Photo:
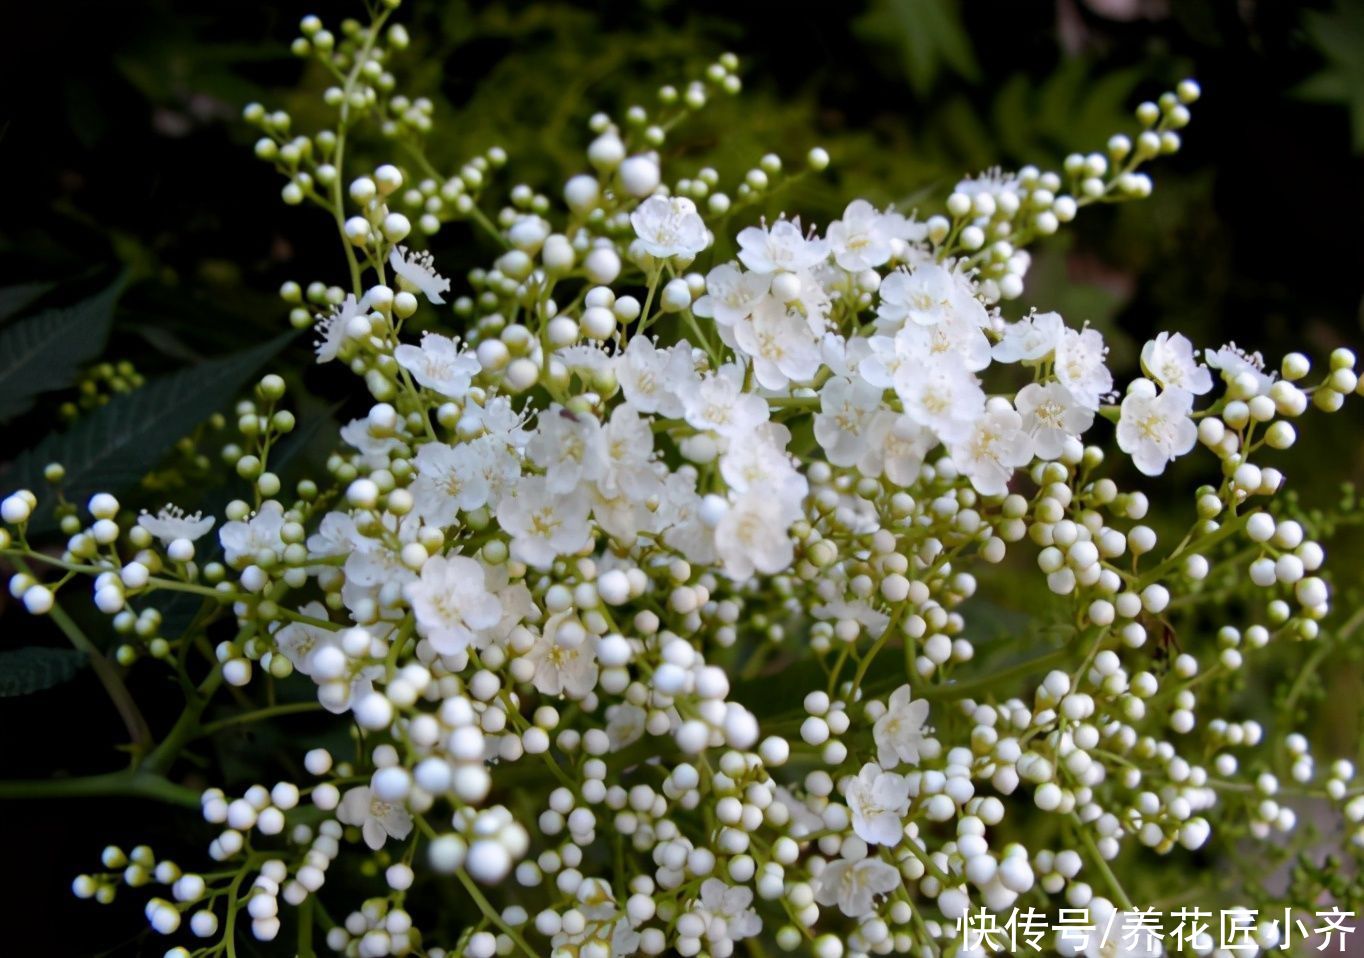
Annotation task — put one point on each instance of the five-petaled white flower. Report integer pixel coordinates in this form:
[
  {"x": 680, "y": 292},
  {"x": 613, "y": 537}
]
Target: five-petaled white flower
[
  {"x": 780, "y": 247},
  {"x": 669, "y": 226},
  {"x": 250, "y": 537},
  {"x": 879, "y": 801},
  {"x": 1051, "y": 416},
  {"x": 377, "y": 820},
  {"x": 899, "y": 732},
  {"x": 732, "y": 906},
  {"x": 1169, "y": 360},
  {"x": 452, "y": 603},
  {"x": 439, "y": 364},
  {"x": 1155, "y": 429},
  {"x": 855, "y": 885}
]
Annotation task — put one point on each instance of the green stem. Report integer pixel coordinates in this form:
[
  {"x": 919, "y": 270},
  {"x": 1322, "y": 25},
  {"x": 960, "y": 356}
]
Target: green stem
[
  {"x": 133, "y": 784},
  {"x": 108, "y": 674},
  {"x": 490, "y": 913},
  {"x": 246, "y": 718}
]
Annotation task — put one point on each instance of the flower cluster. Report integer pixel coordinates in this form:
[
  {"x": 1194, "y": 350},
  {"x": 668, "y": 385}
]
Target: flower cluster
[{"x": 646, "y": 581}]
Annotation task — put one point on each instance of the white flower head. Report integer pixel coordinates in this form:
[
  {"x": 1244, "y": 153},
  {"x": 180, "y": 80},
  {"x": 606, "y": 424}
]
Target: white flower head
[
  {"x": 669, "y": 226},
  {"x": 439, "y": 364},
  {"x": 732, "y": 905},
  {"x": 1051, "y": 416},
  {"x": 862, "y": 238},
  {"x": 654, "y": 380},
  {"x": 377, "y": 820},
  {"x": 569, "y": 446},
  {"x": 780, "y": 247},
  {"x": 879, "y": 801},
  {"x": 926, "y": 296},
  {"x": 564, "y": 660},
  {"x": 854, "y": 886},
  {"x": 260, "y": 533},
  {"x": 900, "y": 731},
  {"x": 1155, "y": 429},
  {"x": 731, "y": 294},
  {"x": 416, "y": 269},
  {"x": 172, "y": 523},
  {"x": 1169, "y": 360},
  {"x": 995, "y": 447},
  {"x": 719, "y": 404},
  {"x": 780, "y": 344},
  {"x": 1081, "y": 368},
  {"x": 1232, "y": 361},
  {"x": 1030, "y": 340},
  {"x": 449, "y": 481},
  {"x": 452, "y": 603},
  {"x": 544, "y": 525},
  {"x": 850, "y": 420},
  {"x": 751, "y": 536}
]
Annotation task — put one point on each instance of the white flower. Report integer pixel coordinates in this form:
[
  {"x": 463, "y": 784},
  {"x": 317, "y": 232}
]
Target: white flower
[
  {"x": 718, "y": 404},
  {"x": 449, "y": 481},
  {"x": 732, "y": 905},
  {"x": 993, "y": 450},
  {"x": 331, "y": 328},
  {"x": 943, "y": 396},
  {"x": 1051, "y": 416},
  {"x": 899, "y": 732},
  {"x": 417, "y": 270},
  {"x": 298, "y": 640},
  {"x": 879, "y": 802},
  {"x": 377, "y": 820},
  {"x": 452, "y": 603},
  {"x": 654, "y": 380},
  {"x": 762, "y": 462},
  {"x": 172, "y": 523},
  {"x": 957, "y": 339},
  {"x": 627, "y": 450},
  {"x": 543, "y": 525},
  {"x": 670, "y": 226},
  {"x": 731, "y": 294},
  {"x": 1156, "y": 429},
  {"x": 1030, "y": 340},
  {"x": 780, "y": 247},
  {"x": 1169, "y": 360},
  {"x": 569, "y": 446},
  {"x": 850, "y": 419},
  {"x": 926, "y": 296},
  {"x": 563, "y": 667},
  {"x": 1080, "y": 366},
  {"x": 751, "y": 537},
  {"x": 374, "y": 450},
  {"x": 854, "y": 886},
  {"x": 780, "y": 343},
  {"x": 1232, "y": 361},
  {"x": 861, "y": 240},
  {"x": 260, "y": 533},
  {"x": 439, "y": 364},
  {"x": 904, "y": 446}
]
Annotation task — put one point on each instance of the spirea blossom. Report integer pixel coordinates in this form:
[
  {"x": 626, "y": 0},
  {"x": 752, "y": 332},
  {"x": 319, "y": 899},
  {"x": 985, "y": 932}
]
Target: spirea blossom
[{"x": 623, "y": 598}]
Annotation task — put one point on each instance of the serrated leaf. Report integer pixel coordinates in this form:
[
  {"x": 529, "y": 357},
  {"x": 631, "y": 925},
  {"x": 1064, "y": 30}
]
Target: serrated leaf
[
  {"x": 43, "y": 352},
  {"x": 35, "y": 667},
  {"x": 116, "y": 445},
  {"x": 15, "y": 299}
]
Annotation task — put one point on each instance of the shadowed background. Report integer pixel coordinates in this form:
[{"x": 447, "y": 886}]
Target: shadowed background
[{"x": 122, "y": 151}]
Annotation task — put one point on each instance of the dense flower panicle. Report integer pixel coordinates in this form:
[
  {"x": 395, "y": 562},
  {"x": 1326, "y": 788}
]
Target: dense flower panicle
[{"x": 638, "y": 577}]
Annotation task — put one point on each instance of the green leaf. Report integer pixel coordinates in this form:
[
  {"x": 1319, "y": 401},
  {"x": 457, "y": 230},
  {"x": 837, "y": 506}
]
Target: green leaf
[
  {"x": 115, "y": 446},
  {"x": 1338, "y": 36},
  {"x": 43, "y": 352},
  {"x": 928, "y": 34},
  {"x": 15, "y": 299},
  {"x": 34, "y": 668}
]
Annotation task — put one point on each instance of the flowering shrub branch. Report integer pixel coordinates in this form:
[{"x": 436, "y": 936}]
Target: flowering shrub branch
[{"x": 646, "y": 585}]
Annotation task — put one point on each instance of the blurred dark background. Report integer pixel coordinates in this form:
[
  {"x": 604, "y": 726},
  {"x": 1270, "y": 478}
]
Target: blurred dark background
[{"x": 121, "y": 149}]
